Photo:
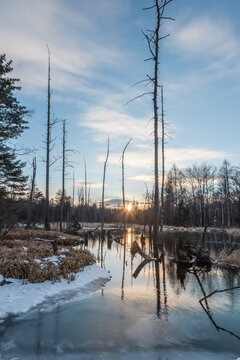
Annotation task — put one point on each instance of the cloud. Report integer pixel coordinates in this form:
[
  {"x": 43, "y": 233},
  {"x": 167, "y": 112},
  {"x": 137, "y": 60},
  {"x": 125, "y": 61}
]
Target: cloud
[
  {"x": 102, "y": 121},
  {"x": 71, "y": 35},
  {"x": 143, "y": 177},
  {"x": 181, "y": 156},
  {"x": 205, "y": 37},
  {"x": 209, "y": 42},
  {"x": 92, "y": 185}
]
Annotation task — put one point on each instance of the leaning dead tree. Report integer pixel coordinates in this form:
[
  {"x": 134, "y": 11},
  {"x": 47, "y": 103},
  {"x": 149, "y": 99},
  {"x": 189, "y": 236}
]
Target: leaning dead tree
[
  {"x": 153, "y": 40},
  {"x": 34, "y": 168},
  {"x": 123, "y": 185},
  {"x": 103, "y": 186}
]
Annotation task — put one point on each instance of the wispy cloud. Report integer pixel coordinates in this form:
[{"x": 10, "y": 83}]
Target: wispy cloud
[
  {"x": 102, "y": 120},
  {"x": 143, "y": 177},
  {"x": 140, "y": 158},
  {"x": 211, "y": 42},
  {"x": 205, "y": 37},
  {"x": 24, "y": 35},
  {"x": 92, "y": 185}
]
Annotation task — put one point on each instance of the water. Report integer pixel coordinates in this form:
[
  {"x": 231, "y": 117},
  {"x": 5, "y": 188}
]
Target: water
[{"x": 156, "y": 315}]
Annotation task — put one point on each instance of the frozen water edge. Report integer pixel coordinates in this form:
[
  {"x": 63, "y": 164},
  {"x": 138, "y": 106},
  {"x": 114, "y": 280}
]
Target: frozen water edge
[{"x": 17, "y": 298}]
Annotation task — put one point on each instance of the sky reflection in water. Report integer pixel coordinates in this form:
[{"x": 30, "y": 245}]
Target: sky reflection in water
[{"x": 156, "y": 315}]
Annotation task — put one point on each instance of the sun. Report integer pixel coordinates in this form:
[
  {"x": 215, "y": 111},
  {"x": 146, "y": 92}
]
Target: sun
[{"x": 129, "y": 207}]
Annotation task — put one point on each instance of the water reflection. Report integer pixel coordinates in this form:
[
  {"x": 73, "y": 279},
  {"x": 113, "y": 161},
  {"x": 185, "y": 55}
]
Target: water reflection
[{"x": 149, "y": 307}]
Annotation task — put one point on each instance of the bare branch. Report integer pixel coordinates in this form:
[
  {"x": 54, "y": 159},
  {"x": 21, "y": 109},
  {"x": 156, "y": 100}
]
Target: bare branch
[
  {"x": 165, "y": 3},
  {"x": 138, "y": 82},
  {"x": 163, "y": 37},
  {"x": 150, "y": 7},
  {"x": 139, "y": 96},
  {"x": 167, "y": 18}
]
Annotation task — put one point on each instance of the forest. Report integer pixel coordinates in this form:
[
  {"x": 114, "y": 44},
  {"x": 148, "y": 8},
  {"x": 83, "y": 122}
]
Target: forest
[{"x": 88, "y": 270}]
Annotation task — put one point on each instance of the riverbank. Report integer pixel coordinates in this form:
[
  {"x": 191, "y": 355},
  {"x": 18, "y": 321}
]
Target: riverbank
[
  {"x": 17, "y": 298},
  {"x": 233, "y": 231},
  {"x": 36, "y": 265}
]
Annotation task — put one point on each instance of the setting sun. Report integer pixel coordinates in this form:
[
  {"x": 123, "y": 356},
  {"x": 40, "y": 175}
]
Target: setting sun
[{"x": 129, "y": 208}]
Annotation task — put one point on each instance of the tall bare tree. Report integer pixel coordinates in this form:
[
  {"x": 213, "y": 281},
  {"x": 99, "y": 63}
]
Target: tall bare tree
[
  {"x": 63, "y": 172},
  {"x": 123, "y": 185},
  {"x": 49, "y": 142},
  {"x": 103, "y": 186},
  {"x": 163, "y": 162},
  {"x": 153, "y": 39},
  {"x": 47, "y": 222},
  {"x": 73, "y": 190}
]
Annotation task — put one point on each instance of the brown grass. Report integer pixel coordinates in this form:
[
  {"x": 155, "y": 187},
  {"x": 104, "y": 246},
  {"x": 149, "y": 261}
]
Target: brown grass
[
  {"x": 30, "y": 234},
  {"x": 229, "y": 257},
  {"x": 20, "y": 263}
]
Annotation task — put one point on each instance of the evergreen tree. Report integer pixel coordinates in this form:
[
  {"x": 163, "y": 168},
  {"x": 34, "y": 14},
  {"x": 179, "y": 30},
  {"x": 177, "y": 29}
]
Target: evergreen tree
[{"x": 12, "y": 124}]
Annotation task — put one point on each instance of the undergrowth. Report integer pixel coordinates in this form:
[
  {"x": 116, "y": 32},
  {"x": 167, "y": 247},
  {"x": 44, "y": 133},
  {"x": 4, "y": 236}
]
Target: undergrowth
[{"x": 28, "y": 260}]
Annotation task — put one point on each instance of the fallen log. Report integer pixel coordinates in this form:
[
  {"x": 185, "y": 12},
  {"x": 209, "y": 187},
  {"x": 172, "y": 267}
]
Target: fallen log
[{"x": 135, "y": 248}]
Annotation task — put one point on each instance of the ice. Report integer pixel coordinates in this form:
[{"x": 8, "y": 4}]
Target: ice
[{"x": 18, "y": 298}]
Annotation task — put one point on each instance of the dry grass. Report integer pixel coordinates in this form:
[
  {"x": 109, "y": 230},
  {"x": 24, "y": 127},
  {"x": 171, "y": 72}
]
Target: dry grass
[
  {"x": 26, "y": 260},
  {"x": 229, "y": 257},
  {"x": 30, "y": 234}
]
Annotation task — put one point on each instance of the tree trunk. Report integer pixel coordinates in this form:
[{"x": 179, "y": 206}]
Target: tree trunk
[
  {"x": 63, "y": 174},
  {"x": 47, "y": 223},
  {"x": 29, "y": 218},
  {"x": 123, "y": 187},
  {"x": 103, "y": 186}
]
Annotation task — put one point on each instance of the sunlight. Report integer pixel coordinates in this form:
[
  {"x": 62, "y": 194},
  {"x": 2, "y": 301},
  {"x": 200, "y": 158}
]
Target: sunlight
[{"x": 129, "y": 207}]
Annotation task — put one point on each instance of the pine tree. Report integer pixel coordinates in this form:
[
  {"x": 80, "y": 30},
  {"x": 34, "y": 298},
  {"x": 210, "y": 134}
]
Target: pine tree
[{"x": 12, "y": 124}]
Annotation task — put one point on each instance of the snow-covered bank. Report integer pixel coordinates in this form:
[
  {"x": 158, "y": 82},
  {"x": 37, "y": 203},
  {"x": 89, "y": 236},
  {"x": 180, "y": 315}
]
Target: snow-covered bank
[{"x": 17, "y": 298}]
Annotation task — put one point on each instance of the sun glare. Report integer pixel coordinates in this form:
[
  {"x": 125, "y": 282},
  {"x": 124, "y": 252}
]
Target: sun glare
[{"x": 129, "y": 208}]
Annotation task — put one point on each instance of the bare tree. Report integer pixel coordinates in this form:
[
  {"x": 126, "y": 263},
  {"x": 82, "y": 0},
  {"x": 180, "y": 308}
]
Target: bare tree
[
  {"x": 34, "y": 167},
  {"x": 49, "y": 145},
  {"x": 163, "y": 162},
  {"x": 73, "y": 190},
  {"x": 103, "y": 186},
  {"x": 123, "y": 187},
  {"x": 153, "y": 39},
  {"x": 225, "y": 175},
  {"x": 47, "y": 223},
  {"x": 63, "y": 172}
]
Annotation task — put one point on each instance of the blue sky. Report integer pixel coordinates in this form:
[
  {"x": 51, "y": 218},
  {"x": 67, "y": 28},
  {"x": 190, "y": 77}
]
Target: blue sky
[{"x": 97, "y": 53}]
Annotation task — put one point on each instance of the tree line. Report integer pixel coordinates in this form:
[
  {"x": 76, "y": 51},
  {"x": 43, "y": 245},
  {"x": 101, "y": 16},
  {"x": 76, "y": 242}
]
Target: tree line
[{"x": 199, "y": 195}]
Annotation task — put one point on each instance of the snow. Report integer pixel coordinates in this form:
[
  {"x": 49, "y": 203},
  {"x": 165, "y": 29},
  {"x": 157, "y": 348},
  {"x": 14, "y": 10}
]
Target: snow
[{"x": 17, "y": 298}]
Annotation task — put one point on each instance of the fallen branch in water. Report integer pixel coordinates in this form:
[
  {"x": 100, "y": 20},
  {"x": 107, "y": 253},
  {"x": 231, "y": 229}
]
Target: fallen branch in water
[
  {"x": 139, "y": 268},
  {"x": 219, "y": 291},
  {"x": 135, "y": 248},
  {"x": 207, "y": 308}
]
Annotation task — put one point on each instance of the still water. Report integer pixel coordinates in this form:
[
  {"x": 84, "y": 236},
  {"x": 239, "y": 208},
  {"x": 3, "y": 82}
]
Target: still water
[{"x": 154, "y": 314}]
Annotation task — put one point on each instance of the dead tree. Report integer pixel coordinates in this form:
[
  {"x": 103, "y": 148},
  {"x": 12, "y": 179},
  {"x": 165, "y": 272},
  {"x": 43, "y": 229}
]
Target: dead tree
[
  {"x": 65, "y": 164},
  {"x": 34, "y": 167},
  {"x": 63, "y": 172},
  {"x": 123, "y": 187},
  {"x": 47, "y": 222},
  {"x": 103, "y": 186},
  {"x": 163, "y": 163},
  {"x": 73, "y": 191},
  {"x": 49, "y": 146},
  {"x": 153, "y": 39}
]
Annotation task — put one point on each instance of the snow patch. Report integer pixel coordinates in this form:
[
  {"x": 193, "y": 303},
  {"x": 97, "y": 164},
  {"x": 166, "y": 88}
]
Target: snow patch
[{"x": 17, "y": 298}]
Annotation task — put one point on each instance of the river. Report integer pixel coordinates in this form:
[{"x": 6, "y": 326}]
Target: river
[{"x": 155, "y": 314}]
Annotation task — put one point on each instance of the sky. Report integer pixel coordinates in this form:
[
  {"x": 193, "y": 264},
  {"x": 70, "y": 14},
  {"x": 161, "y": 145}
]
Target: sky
[{"x": 97, "y": 55}]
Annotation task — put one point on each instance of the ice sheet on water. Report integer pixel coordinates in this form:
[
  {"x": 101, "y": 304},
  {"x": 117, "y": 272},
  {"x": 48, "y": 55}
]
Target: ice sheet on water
[{"x": 17, "y": 298}]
